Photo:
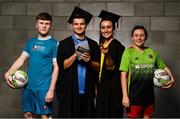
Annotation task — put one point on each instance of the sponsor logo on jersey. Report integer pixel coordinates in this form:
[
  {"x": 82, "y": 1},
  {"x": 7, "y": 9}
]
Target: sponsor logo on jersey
[
  {"x": 144, "y": 66},
  {"x": 38, "y": 48}
]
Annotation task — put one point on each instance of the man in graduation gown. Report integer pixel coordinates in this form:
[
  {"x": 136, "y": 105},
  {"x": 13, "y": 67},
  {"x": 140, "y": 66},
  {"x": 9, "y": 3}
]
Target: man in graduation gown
[{"x": 78, "y": 63}]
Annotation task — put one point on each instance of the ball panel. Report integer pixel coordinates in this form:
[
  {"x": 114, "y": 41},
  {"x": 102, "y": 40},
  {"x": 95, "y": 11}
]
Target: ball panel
[
  {"x": 161, "y": 77},
  {"x": 157, "y": 83},
  {"x": 19, "y": 79}
]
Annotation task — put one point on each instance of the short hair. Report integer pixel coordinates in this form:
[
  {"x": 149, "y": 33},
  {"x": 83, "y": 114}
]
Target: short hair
[
  {"x": 44, "y": 16},
  {"x": 79, "y": 16},
  {"x": 140, "y": 27}
]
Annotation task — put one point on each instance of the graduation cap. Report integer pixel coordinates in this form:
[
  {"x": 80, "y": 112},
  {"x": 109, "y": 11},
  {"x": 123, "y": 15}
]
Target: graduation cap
[
  {"x": 105, "y": 15},
  {"x": 80, "y": 13}
]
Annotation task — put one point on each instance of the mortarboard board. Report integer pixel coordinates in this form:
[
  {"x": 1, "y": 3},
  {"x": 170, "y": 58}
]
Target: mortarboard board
[
  {"x": 105, "y": 15},
  {"x": 80, "y": 13}
]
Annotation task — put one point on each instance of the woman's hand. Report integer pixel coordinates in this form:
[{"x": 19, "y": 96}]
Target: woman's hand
[
  {"x": 103, "y": 50},
  {"x": 168, "y": 84},
  {"x": 125, "y": 101}
]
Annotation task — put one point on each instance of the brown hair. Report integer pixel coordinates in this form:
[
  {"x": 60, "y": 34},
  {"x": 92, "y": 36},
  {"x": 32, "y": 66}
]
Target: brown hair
[
  {"x": 44, "y": 16},
  {"x": 140, "y": 27}
]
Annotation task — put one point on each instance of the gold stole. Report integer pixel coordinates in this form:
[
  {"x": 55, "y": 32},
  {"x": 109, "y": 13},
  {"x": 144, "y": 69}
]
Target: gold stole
[{"x": 105, "y": 45}]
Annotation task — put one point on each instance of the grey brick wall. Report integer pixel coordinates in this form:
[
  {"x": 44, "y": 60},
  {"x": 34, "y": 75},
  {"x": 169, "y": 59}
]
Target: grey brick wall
[
  {"x": 148, "y": 8},
  {"x": 13, "y": 8},
  {"x": 160, "y": 17},
  {"x": 6, "y": 22}
]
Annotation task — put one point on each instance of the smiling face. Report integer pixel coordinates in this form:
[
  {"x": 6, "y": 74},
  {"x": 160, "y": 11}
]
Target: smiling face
[
  {"x": 43, "y": 27},
  {"x": 106, "y": 29},
  {"x": 139, "y": 37},
  {"x": 79, "y": 26}
]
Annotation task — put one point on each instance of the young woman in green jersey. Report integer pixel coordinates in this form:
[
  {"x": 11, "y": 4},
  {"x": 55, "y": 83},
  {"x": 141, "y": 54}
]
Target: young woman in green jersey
[{"x": 137, "y": 66}]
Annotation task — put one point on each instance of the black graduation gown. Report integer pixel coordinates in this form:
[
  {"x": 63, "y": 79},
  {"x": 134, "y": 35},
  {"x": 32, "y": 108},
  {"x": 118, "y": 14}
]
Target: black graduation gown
[
  {"x": 67, "y": 84},
  {"x": 109, "y": 99}
]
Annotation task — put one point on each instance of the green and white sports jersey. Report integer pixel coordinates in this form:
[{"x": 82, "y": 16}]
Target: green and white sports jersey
[{"x": 140, "y": 67}]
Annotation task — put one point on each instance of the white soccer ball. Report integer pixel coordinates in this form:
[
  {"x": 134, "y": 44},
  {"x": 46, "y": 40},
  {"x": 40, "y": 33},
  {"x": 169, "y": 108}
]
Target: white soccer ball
[
  {"x": 19, "y": 79},
  {"x": 161, "y": 77}
]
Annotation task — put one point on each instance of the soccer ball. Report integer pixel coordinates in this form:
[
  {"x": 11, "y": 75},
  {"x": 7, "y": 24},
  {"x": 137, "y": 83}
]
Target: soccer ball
[
  {"x": 161, "y": 77},
  {"x": 19, "y": 79}
]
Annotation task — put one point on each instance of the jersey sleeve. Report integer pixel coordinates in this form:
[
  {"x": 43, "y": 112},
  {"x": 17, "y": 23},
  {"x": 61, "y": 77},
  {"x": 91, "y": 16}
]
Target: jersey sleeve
[
  {"x": 27, "y": 47},
  {"x": 55, "y": 49},
  {"x": 125, "y": 61},
  {"x": 160, "y": 64}
]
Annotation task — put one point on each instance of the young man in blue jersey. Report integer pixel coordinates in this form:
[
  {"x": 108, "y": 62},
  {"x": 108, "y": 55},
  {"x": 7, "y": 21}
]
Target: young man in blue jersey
[{"x": 42, "y": 70}]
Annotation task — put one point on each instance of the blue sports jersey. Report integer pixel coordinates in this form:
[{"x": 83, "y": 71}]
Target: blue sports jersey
[{"x": 41, "y": 54}]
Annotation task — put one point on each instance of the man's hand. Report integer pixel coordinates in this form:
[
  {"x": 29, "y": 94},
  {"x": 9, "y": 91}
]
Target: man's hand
[
  {"x": 49, "y": 96},
  {"x": 85, "y": 57},
  {"x": 8, "y": 78}
]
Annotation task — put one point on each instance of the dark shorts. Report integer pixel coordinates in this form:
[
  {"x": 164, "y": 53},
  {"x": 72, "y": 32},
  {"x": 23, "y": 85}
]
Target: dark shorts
[{"x": 34, "y": 101}]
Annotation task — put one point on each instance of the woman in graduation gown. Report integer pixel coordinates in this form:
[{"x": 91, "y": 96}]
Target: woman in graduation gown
[{"x": 109, "y": 94}]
